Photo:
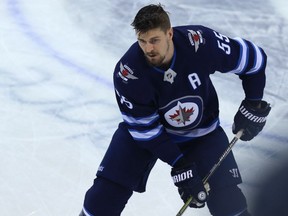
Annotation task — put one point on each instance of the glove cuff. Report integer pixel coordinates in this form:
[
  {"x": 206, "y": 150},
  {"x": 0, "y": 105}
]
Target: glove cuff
[
  {"x": 256, "y": 105},
  {"x": 183, "y": 173},
  {"x": 255, "y": 114},
  {"x": 251, "y": 118}
]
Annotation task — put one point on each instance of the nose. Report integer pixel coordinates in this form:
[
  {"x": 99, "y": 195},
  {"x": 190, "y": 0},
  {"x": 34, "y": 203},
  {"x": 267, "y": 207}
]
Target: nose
[{"x": 148, "y": 47}]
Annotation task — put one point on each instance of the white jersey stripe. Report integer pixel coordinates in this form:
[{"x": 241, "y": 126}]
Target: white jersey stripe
[
  {"x": 146, "y": 135},
  {"x": 243, "y": 58},
  {"x": 258, "y": 62},
  {"x": 148, "y": 120},
  {"x": 196, "y": 132}
]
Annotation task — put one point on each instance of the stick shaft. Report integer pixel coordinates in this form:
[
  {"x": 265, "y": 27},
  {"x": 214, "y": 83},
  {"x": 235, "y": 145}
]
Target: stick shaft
[{"x": 213, "y": 169}]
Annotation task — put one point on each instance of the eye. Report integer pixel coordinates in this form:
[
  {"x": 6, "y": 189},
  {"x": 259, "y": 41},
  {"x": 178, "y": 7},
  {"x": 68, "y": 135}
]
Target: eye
[
  {"x": 141, "y": 42},
  {"x": 154, "y": 40}
]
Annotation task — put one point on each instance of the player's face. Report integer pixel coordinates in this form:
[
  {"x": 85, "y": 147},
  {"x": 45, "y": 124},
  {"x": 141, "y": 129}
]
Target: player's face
[{"x": 157, "y": 46}]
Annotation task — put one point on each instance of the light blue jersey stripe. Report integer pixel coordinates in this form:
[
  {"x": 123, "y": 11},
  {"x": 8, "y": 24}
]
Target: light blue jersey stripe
[
  {"x": 258, "y": 60},
  {"x": 146, "y": 135},
  {"x": 243, "y": 57},
  {"x": 143, "y": 121},
  {"x": 196, "y": 132}
]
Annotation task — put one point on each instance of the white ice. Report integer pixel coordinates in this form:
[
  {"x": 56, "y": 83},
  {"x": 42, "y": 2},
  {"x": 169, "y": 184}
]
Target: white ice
[{"x": 58, "y": 110}]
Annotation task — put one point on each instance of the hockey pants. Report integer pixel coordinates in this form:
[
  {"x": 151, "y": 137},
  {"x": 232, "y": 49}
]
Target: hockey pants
[{"x": 106, "y": 198}]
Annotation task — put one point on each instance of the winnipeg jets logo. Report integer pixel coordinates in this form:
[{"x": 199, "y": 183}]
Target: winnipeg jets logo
[
  {"x": 182, "y": 115},
  {"x": 195, "y": 38},
  {"x": 126, "y": 73}
]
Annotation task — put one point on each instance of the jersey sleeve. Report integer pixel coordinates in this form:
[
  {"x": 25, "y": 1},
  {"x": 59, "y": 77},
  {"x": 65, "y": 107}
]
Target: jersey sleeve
[
  {"x": 138, "y": 109},
  {"x": 240, "y": 57}
]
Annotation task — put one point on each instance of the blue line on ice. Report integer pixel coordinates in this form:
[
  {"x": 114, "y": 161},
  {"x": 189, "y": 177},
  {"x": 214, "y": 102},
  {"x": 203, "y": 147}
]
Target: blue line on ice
[{"x": 27, "y": 29}]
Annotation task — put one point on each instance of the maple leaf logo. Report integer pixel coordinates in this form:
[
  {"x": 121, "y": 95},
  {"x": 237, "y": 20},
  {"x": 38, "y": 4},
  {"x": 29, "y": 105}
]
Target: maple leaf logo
[{"x": 182, "y": 115}]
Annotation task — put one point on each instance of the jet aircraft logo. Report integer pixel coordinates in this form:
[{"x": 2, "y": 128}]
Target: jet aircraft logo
[
  {"x": 195, "y": 38},
  {"x": 126, "y": 73}
]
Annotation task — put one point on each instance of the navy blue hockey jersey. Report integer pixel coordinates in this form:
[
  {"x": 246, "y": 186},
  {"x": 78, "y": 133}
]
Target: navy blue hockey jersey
[{"x": 162, "y": 108}]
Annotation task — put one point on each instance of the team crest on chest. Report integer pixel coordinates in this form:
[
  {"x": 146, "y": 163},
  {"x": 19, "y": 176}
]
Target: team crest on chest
[
  {"x": 182, "y": 114},
  {"x": 186, "y": 111}
]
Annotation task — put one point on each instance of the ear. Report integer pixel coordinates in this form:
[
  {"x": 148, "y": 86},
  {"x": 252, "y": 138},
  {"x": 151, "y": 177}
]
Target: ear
[{"x": 170, "y": 33}]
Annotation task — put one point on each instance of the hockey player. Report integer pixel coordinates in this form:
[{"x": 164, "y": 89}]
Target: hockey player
[{"x": 170, "y": 112}]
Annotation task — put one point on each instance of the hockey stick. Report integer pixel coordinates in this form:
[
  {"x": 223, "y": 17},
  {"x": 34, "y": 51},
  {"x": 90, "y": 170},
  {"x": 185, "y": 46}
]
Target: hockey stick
[{"x": 214, "y": 168}]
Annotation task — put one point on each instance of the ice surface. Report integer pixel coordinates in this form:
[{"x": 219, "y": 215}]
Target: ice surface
[{"x": 58, "y": 110}]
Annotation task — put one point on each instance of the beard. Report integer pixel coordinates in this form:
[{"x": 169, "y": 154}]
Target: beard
[{"x": 156, "y": 59}]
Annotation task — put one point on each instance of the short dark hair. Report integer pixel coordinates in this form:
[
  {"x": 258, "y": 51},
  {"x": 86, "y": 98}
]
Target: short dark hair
[{"x": 150, "y": 17}]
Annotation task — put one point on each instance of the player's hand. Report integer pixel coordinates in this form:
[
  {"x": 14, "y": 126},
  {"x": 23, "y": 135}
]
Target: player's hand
[
  {"x": 189, "y": 184},
  {"x": 251, "y": 117}
]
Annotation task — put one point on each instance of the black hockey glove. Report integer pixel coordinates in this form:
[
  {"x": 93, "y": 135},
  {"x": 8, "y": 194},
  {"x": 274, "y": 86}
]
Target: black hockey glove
[
  {"x": 189, "y": 184},
  {"x": 251, "y": 117}
]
